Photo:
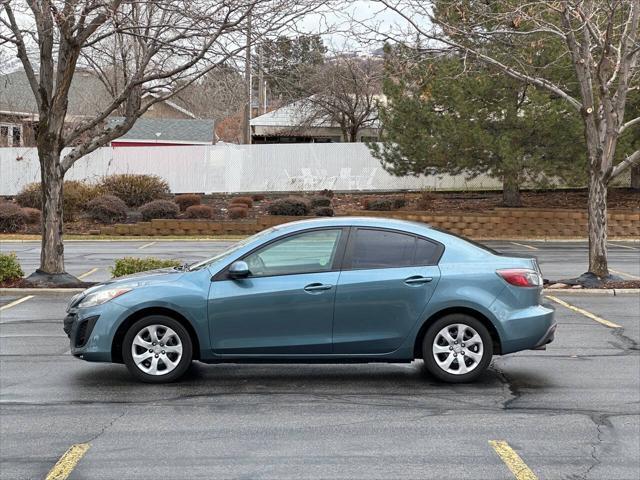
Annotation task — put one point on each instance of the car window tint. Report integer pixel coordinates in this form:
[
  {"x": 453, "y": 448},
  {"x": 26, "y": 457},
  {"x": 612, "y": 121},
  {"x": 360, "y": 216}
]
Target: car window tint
[
  {"x": 380, "y": 249},
  {"x": 427, "y": 252},
  {"x": 303, "y": 253}
]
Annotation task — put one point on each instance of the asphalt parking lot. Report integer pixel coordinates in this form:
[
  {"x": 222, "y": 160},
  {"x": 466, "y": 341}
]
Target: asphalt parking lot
[{"x": 570, "y": 412}]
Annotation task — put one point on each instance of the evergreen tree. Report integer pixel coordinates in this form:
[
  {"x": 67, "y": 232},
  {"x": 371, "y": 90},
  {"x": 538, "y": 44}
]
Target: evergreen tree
[{"x": 447, "y": 115}]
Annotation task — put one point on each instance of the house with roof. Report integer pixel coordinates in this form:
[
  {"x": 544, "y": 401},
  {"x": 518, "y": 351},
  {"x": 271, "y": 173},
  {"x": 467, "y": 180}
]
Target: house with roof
[
  {"x": 149, "y": 132},
  {"x": 165, "y": 123},
  {"x": 297, "y": 123}
]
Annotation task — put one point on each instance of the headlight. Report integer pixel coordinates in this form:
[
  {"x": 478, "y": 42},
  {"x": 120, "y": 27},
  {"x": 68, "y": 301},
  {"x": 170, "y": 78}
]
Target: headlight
[{"x": 102, "y": 296}]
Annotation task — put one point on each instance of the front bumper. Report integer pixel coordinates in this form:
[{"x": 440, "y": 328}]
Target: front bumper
[{"x": 91, "y": 331}]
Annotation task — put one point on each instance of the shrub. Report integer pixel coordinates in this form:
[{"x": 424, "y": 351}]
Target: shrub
[
  {"x": 381, "y": 204},
  {"x": 130, "y": 265},
  {"x": 159, "y": 209},
  {"x": 135, "y": 190},
  {"x": 12, "y": 217},
  {"x": 292, "y": 206},
  {"x": 320, "y": 201},
  {"x": 75, "y": 196},
  {"x": 258, "y": 197},
  {"x": 107, "y": 209},
  {"x": 324, "y": 212},
  {"x": 238, "y": 211},
  {"x": 399, "y": 203},
  {"x": 248, "y": 201},
  {"x": 425, "y": 200},
  {"x": 326, "y": 193},
  {"x": 30, "y": 196},
  {"x": 33, "y": 215},
  {"x": 187, "y": 200},
  {"x": 200, "y": 211},
  {"x": 10, "y": 268}
]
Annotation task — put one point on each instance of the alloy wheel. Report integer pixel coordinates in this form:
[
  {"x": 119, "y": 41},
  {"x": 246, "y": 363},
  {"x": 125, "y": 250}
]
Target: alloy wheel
[
  {"x": 457, "y": 349},
  {"x": 156, "y": 350}
]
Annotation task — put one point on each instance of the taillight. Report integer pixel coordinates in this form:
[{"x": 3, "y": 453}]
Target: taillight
[{"x": 521, "y": 277}]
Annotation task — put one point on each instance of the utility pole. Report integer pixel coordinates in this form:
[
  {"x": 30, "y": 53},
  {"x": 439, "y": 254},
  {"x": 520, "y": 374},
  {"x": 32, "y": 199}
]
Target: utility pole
[
  {"x": 262, "y": 87},
  {"x": 248, "y": 89}
]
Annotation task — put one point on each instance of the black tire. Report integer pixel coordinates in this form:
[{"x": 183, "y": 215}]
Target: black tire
[
  {"x": 185, "y": 341},
  {"x": 479, "y": 366}
]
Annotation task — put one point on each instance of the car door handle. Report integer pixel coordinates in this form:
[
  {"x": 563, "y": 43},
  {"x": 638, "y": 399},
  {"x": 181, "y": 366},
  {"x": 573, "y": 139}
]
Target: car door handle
[
  {"x": 317, "y": 287},
  {"x": 418, "y": 280}
]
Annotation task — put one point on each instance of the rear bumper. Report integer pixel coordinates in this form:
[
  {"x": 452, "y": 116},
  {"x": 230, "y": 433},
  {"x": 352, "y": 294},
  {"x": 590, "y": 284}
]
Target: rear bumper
[
  {"x": 527, "y": 328},
  {"x": 546, "y": 338}
]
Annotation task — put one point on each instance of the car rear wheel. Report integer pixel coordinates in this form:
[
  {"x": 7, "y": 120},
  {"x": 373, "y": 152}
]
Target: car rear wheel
[
  {"x": 157, "y": 349},
  {"x": 457, "y": 348}
]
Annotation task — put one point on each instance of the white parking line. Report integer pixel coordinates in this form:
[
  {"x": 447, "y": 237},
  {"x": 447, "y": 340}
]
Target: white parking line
[
  {"x": 623, "y": 246},
  {"x": 146, "y": 245},
  {"x": 16, "y": 302},
  {"x": 525, "y": 246}
]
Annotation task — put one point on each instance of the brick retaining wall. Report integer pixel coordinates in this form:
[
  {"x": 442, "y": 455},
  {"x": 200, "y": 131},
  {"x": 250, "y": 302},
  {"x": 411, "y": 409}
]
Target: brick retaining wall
[{"x": 497, "y": 223}]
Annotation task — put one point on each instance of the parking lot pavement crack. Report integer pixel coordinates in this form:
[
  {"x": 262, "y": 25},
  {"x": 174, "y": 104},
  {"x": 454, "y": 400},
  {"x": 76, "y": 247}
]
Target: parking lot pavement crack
[
  {"x": 514, "y": 392},
  {"x": 106, "y": 427},
  {"x": 601, "y": 422},
  {"x": 628, "y": 343}
]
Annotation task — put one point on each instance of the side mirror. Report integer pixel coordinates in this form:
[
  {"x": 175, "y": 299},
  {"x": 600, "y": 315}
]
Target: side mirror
[{"x": 239, "y": 270}]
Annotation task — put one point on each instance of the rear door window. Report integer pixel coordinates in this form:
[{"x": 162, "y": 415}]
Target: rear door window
[{"x": 371, "y": 248}]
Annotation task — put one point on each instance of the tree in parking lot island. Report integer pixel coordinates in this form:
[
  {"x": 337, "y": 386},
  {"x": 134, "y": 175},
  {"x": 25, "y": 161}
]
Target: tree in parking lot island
[
  {"x": 146, "y": 51},
  {"x": 598, "y": 40},
  {"x": 447, "y": 115}
]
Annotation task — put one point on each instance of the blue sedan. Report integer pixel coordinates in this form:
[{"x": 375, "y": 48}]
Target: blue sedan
[{"x": 327, "y": 290}]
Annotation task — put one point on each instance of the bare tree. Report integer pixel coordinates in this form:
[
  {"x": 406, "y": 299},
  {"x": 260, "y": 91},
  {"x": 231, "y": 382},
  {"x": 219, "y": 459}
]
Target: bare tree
[
  {"x": 343, "y": 91},
  {"x": 138, "y": 47},
  {"x": 598, "y": 40}
]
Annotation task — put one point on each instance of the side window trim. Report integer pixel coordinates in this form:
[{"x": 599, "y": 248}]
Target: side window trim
[
  {"x": 348, "y": 257},
  {"x": 338, "y": 258}
]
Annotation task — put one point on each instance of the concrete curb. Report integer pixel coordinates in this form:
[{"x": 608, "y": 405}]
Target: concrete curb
[
  {"x": 140, "y": 239},
  {"x": 592, "y": 291},
  {"x": 41, "y": 291}
]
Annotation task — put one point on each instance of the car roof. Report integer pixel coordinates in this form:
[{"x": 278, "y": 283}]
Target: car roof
[{"x": 376, "y": 222}]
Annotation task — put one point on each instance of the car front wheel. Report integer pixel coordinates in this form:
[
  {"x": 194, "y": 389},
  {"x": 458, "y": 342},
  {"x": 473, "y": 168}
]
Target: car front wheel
[
  {"x": 157, "y": 349},
  {"x": 457, "y": 348}
]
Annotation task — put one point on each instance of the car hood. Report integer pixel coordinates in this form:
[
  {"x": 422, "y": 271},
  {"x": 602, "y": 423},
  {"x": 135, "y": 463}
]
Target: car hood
[
  {"x": 142, "y": 279},
  {"x": 160, "y": 275}
]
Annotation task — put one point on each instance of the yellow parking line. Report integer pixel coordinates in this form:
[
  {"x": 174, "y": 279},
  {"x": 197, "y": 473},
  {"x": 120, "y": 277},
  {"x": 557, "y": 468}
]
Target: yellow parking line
[
  {"x": 16, "y": 302},
  {"x": 90, "y": 272},
  {"x": 509, "y": 456},
  {"x": 624, "y": 274},
  {"x": 590, "y": 315},
  {"x": 68, "y": 462},
  {"x": 525, "y": 246},
  {"x": 146, "y": 245}
]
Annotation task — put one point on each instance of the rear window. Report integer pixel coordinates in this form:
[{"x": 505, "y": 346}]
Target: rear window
[
  {"x": 385, "y": 249},
  {"x": 468, "y": 240}
]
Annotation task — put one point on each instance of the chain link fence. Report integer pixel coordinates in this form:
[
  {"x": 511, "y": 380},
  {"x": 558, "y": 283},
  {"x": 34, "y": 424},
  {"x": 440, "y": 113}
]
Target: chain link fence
[{"x": 242, "y": 168}]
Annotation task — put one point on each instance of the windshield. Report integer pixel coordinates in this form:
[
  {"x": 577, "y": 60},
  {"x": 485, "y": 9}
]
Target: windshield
[{"x": 230, "y": 250}]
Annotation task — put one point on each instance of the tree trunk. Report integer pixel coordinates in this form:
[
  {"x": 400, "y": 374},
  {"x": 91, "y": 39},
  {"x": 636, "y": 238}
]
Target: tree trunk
[
  {"x": 635, "y": 177},
  {"x": 511, "y": 191},
  {"x": 597, "y": 225},
  {"x": 52, "y": 252}
]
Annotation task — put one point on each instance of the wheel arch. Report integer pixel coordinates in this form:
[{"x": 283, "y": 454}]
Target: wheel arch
[
  {"x": 495, "y": 337},
  {"x": 116, "y": 344}
]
